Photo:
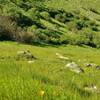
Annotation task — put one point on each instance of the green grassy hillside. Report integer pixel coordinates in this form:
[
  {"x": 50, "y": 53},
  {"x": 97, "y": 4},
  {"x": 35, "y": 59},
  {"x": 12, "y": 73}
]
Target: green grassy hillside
[
  {"x": 53, "y": 51},
  {"x": 47, "y": 77}
]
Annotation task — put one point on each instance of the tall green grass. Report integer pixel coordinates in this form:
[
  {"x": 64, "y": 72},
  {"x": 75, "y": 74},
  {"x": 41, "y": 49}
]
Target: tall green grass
[{"x": 46, "y": 78}]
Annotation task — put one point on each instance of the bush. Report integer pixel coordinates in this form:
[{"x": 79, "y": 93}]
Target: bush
[
  {"x": 60, "y": 17},
  {"x": 54, "y": 41},
  {"x": 10, "y": 31},
  {"x": 96, "y": 40},
  {"x": 81, "y": 24},
  {"x": 84, "y": 37},
  {"x": 8, "y": 28},
  {"x": 45, "y": 15},
  {"x": 25, "y": 37},
  {"x": 73, "y": 39}
]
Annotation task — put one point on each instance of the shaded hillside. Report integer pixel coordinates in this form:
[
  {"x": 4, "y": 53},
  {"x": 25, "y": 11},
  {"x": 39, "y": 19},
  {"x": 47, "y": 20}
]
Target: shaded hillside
[{"x": 49, "y": 21}]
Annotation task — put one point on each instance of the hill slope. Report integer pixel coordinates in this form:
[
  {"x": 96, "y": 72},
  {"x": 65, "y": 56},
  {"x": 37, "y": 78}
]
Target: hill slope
[
  {"x": 53, "y": 22},
  {"x": 51, "y": 70}
]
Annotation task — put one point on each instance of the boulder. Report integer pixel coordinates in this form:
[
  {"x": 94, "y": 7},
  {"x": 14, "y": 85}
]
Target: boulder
[
  {"x": 74, "y": 67},
  {"x": 77, "y": 70},
  {"x": 91, "y": 88},
  {"x": 62, "y": 57},
  {"x": 98, "y": 67},
  {"x": 25, "y": 55},
  {"x": 31, "y": 61},
  {"x": 90, "y": 65}
]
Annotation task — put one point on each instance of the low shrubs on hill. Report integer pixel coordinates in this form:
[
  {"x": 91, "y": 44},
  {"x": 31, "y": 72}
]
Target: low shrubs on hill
[
  {"x": 8, "y": 28},
  {"x": 10, "y": 31},
  {"x": 85, "y": 37},
  {"x": 67, "y": 27}
]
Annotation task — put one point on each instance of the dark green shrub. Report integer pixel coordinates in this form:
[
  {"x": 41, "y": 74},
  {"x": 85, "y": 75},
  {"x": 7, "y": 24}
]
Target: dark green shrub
[
  {"x": 94, "y": 28},
  {"x": 54, "y": 41},
  {"x": 60, "y": 17},
  {"x": 96, "y": 40},
  {"x": 94, "y": 10},
  {"x": 53, "y": 12},
  {"x": 81, "y": 24},
  {"x": 86, "y": 36}
]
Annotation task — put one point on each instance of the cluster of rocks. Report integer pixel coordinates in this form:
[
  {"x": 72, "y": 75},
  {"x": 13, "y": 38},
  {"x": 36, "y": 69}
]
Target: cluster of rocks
[
  {"x": 73, "y": 66},
  {"x": 76, "y": 68},
  {"x": 91, "y": 65},
  {"x": 26, "y": 54}
]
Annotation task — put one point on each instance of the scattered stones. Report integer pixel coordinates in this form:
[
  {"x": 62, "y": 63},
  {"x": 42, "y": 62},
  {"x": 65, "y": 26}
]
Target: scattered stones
[
  {"x": 81, "y": 70},
  {"x": 90, "y": 65},
  {"x": 98, "y": 67},
  {"x": 91, "y": 88},
  {"x": 62, "y": 57},
  {"x": 74, "y": 67},
  {"x": 30, "y": 62},
  {"x": 2, "y": 58},
  {"x": 77, "y": 70},
  {"x": 25, "y": 54}
]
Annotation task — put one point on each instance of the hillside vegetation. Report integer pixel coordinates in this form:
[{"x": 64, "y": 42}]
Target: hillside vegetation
[
  {"x": 49, "y": 49},
  {"x": 74, "y": 22}
]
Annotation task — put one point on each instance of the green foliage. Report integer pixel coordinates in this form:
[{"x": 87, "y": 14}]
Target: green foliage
[
  {"x": 96, "y": 40},
  {"x": 81, "y": 24},
  {"x": 45, "y": 15},
  {"x": 60, "y": 18},
  {"x": 50, "y": 21}
]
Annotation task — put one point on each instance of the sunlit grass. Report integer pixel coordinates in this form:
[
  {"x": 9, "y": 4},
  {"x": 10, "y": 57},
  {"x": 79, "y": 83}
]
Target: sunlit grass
[{"x": 46, "y": 78}]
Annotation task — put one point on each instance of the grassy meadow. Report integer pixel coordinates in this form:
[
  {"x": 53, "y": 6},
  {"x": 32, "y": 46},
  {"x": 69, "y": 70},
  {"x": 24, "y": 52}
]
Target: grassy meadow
[
  {"x": 47, "y": 78},
  {"x": 55, "y": 49}
]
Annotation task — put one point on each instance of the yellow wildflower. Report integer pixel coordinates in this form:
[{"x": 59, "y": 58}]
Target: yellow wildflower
[{"x": 41, "y": 93}]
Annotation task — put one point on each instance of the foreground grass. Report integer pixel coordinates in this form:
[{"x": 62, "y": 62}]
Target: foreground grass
[{"x": 47, "y": 78}]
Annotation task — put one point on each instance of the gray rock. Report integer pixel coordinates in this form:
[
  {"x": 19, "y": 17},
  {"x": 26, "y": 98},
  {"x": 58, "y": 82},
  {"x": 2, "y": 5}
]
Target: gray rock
[
  {"x": 98, "y": 67},
  {"x": 82, "y": 70},
  {"x": 89, "y": 65},
  {"x": 62, "y": 57},
  {"x": 91, "y": 88},
  {"x": 25, "y": 54},
  {"x": 30, "y": 62},
  {"x": 77, "y": 70},
  {"x": 74, "y": 67}
]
